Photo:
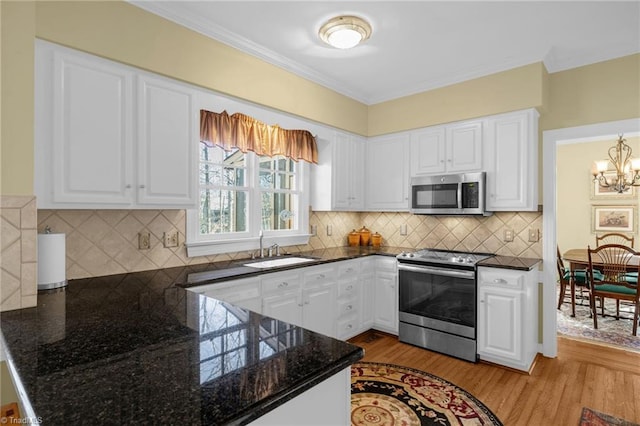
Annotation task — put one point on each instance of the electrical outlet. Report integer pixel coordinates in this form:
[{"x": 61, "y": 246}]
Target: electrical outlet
[
  {"x": 144, "y": 240},
  {"x": 403, "y": 229},
  {"x": 329, "y": 230},
  {"x": 314, "y": 230},
  {"x": 508, "y": 235},
  {"x": 534, "y": 235},
  {"x": 170, "y": 239}
]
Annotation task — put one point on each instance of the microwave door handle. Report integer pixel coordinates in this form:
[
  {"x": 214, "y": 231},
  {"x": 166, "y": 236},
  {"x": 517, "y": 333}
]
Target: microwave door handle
[{"x": 459, "y": 195}]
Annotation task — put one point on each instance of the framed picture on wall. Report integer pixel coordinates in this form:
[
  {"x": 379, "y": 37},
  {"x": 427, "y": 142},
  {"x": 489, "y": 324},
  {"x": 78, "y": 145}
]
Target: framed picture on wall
[
  {"x": 602, "y": 192},
  {"x": 613, "y": 219}
]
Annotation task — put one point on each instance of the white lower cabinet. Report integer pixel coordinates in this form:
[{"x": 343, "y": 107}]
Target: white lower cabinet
[
  {"x": 385, "y": 299},
  {"x": 339, "y": 299},
  {"x": 282, "y": 297},
  {"x": 507, "y": 317},
  {"x": 244, "y": 292}
]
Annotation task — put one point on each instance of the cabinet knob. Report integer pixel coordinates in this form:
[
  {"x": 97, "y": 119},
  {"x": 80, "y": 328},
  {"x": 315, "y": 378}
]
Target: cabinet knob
[
  {"x": 321, "y": 276},
  {"x": 349, "y": 307},
  {"x": 128, "y": 186},
  {"x": 500, "y": 281},
  {"x": 349, "y": 326},
  {"x": 306, "y": 303},
  {"x": 350, "y": 288},
  {"x": 300, "y": 304},
  {"x": 283, "y": 284},
  {"x": 481, "y": 301},
  {"x": 141, "y": 186}
]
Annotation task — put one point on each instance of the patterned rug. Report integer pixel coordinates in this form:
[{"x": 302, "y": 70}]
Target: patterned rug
[
  {"x": 386, "y": 395},
  {"x": 611, "y": 332},
  {"x": 591, "y": 417}
]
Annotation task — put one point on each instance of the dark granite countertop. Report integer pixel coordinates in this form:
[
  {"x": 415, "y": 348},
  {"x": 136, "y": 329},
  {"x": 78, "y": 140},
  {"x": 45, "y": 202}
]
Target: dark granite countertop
[
  {"x": 136, "y": 349},
  {"x": 511, "y": 262},
  {"x": 223, "y": 271}
]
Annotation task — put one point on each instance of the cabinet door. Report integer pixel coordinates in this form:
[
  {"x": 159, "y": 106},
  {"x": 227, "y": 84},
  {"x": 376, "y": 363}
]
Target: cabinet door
[
  {"x": 92, "y": 131},
  {"x": 385, "y": 305},
  {"x": 285, "y": 306},
  {"x": 428, "y": 151},
  {"x": 347, "y": 178},
  {"x": 387, "y": 173},
  {"x": 167, "y": 144},
  {"x": 499, "y": 322},
  {"x": 318, "y": 309},
  {"x": 464, "y": 147},
  {"x": 512, "y": 153}
]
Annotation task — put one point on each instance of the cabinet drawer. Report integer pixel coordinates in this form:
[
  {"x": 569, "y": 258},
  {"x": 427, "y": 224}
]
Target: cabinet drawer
[
  {"x": 349, "y": 289},
  {"x": 348, "y": 269},
  {"x": 347, "y": 327},
  {"x": 281, "y": 282},
  {"x": 319, "y": 275},
  {"x": 347, "y": 307},
  {"x": 501, "y": 278}
]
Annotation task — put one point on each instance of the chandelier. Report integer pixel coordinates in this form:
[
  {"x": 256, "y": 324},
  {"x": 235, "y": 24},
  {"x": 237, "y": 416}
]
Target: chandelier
[{"x": 627, "y": 168}]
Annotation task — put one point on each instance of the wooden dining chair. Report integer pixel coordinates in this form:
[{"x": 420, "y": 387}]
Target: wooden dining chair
[
  {"x": 572, "y": 279},
  {"x": 614, "y": 238},
  {"x": 617, "y": 263}
]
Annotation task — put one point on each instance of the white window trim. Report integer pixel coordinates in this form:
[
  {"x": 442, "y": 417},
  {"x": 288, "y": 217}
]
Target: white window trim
[{"x": 198, "y": 245}]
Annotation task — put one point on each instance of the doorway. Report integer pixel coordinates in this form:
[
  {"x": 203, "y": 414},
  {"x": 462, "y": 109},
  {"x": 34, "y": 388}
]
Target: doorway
[{"x": 550, "y": 141}]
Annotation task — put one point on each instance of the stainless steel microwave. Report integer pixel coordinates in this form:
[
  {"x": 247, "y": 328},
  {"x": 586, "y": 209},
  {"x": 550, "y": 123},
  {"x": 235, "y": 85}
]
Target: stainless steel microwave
[{"x": 451, "y": 194}]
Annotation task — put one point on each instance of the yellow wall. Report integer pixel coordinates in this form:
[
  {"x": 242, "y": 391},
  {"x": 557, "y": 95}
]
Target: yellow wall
[
  {"x": 601, "y": 92},
  {"x": 506, "y": 91},
  {"x": 574, "y": 191},
  {"x": 16, "y": 145}
]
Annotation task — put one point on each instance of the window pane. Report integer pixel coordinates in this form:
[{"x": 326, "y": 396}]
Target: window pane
[
  {"x": 266, "y": 179},
  {"x": 277, "y": 211},
  {"x": 223, "y": 211},
  {"x": 209, "y": 174},
  {"x": 284, "y": 181}
]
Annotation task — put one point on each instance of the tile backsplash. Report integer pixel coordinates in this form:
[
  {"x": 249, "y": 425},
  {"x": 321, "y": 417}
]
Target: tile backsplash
[
  {"x": 18, "y": 255},
  {"x": 105, "y": 242}
]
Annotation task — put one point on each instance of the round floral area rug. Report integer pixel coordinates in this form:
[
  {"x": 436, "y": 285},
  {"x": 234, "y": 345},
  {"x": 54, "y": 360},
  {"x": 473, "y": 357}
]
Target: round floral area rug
[{"x": 391, "y": 395}]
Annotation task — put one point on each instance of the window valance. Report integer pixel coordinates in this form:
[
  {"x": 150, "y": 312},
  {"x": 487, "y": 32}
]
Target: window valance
[{"x": 248, "y": 134}]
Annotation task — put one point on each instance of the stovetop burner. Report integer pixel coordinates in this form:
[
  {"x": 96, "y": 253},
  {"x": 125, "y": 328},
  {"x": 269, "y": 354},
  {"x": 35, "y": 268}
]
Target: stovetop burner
[{"x": 443, "y": 256}]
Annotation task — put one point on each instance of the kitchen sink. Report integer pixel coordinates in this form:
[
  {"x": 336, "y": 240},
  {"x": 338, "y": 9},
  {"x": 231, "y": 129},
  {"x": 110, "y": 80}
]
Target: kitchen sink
[{"x": 272, "y": 263}]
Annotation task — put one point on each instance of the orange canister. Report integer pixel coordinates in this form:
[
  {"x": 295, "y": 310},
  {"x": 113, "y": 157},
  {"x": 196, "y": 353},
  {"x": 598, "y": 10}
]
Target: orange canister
[
  {"x": 376, "y": 240},
  {"x": 354, "y": 238},
  {"x": 365, "y": 236}
]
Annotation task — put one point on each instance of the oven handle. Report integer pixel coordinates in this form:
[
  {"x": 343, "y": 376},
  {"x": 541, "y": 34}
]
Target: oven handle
[{"x": 437, "y": 271}]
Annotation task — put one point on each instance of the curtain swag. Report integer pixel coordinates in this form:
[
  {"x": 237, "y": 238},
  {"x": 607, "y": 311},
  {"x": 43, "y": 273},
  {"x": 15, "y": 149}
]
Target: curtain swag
[{"x": 248, "y": 134}]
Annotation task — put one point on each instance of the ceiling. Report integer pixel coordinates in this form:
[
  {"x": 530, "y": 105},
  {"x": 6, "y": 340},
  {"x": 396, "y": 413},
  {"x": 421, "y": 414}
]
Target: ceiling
[{"x": 415, "y": 45}]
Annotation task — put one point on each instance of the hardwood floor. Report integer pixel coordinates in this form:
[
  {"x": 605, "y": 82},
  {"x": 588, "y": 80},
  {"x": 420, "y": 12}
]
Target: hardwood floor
[{"x": 583, "y": 375}]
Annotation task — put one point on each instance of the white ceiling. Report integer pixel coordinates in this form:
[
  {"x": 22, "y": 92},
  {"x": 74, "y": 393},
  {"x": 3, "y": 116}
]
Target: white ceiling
[{"x": 415, "y": 45}]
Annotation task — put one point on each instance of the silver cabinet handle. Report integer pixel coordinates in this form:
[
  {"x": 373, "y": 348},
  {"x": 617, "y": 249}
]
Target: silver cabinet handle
[
  {"x": 500, "y": 281},
  {"x": 283, "y": 284}
]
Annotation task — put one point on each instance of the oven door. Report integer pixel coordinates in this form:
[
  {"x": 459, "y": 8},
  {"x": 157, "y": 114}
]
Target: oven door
[{"x": 438, "y": 298}]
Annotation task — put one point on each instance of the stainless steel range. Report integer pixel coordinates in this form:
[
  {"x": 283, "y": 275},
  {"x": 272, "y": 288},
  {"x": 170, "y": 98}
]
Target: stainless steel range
[{"x": 438, "y": 300}]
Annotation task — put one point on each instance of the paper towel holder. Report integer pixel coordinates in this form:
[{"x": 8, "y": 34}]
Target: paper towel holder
[{"x": 51, "y": 260}]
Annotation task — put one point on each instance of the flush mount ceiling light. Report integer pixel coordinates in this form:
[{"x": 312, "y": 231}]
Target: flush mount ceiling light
[{"x": 345, "y": 32}]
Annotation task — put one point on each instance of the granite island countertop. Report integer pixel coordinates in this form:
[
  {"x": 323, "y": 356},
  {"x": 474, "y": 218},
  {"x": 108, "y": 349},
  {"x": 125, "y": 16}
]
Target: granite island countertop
[{"x": 135, "y": 349}]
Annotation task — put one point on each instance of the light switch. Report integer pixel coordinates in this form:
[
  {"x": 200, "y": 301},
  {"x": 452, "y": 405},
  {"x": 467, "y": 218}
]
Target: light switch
[{"x": 534, "y": 235}]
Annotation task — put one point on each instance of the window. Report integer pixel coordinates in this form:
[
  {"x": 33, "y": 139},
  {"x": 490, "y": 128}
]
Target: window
[{"x": 243, "y": 193}]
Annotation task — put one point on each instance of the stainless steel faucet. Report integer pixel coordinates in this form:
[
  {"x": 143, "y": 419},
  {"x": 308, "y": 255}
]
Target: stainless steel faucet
[{"x": 261, "y": 235}]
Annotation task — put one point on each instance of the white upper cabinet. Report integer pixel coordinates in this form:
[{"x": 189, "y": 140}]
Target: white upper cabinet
[
  {"x": 447, "y": 149},
  {"x": 111, "y": 136},
  {"x": 90, "y": 149},
  {"x": 387, "y": 173},
  {"x": 511, "y": 154},
  {"x": 167, "y": 143},
  {"x": 338, "y": 178}
]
